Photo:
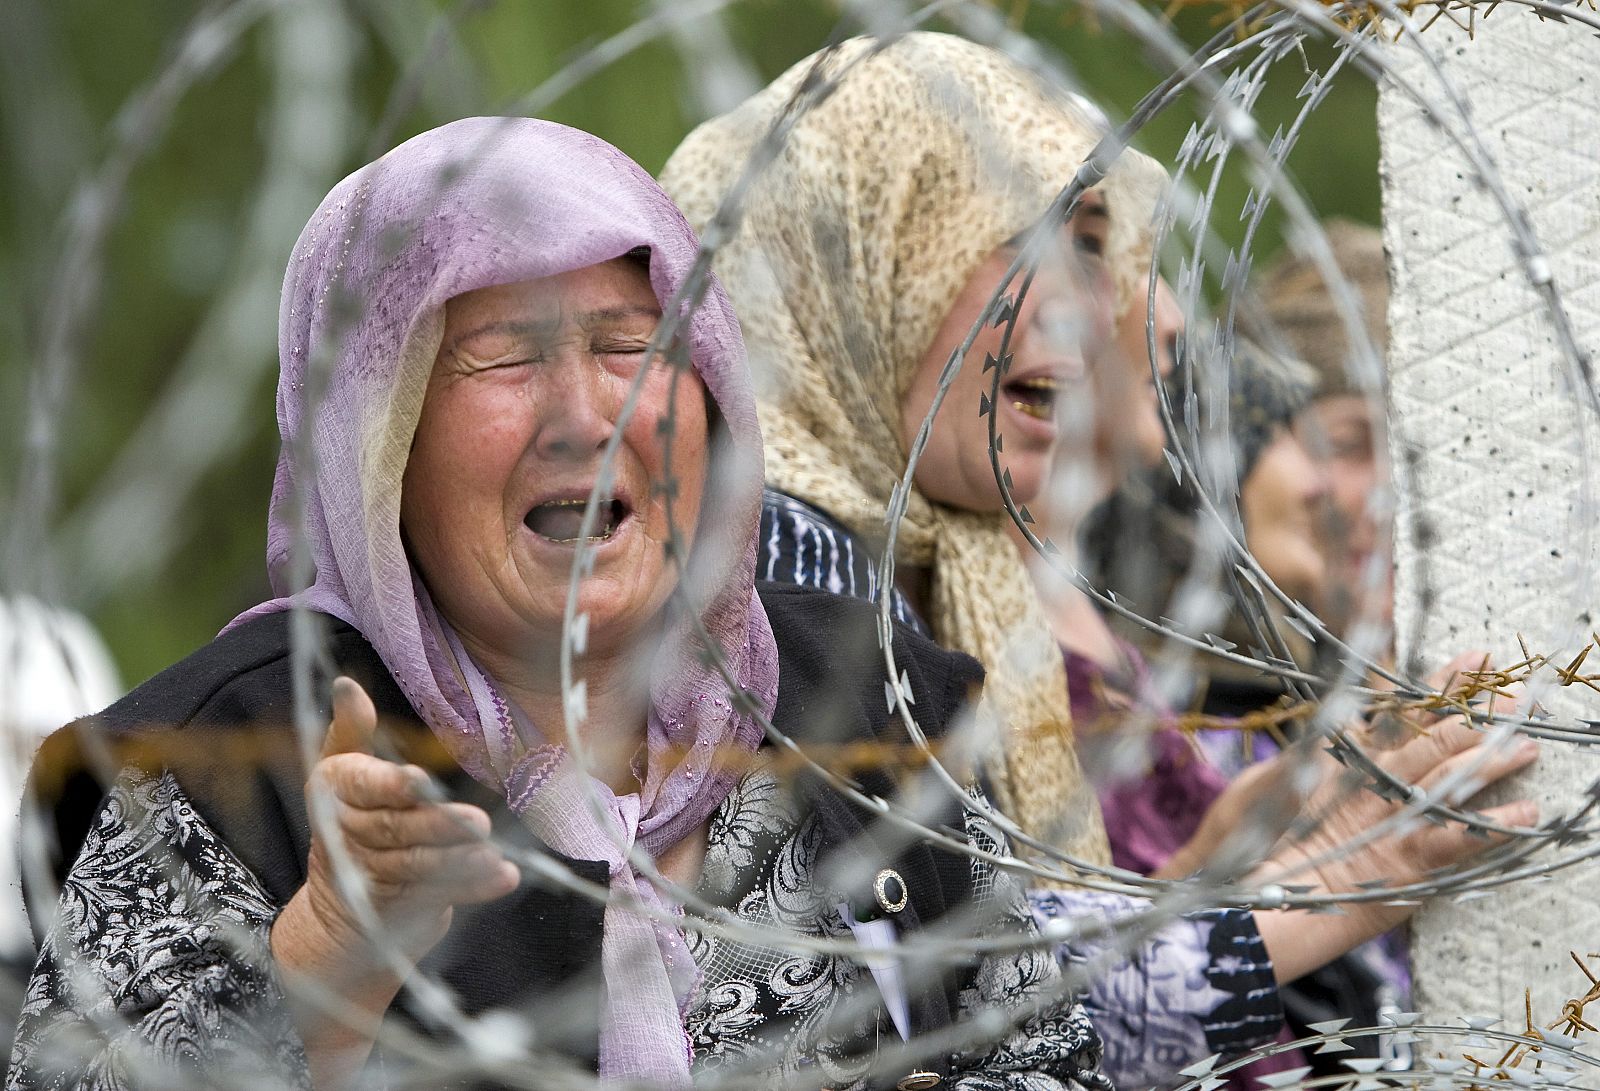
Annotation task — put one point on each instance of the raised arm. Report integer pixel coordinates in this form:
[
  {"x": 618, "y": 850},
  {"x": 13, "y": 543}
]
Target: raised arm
[{"x": 344, "y": 940}]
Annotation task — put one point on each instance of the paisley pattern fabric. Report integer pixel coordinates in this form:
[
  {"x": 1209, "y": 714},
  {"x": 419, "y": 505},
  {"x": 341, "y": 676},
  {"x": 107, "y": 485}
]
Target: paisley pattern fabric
[
  {"x": 818, "y": 1017},
  {"x": 157, "y": 970}
]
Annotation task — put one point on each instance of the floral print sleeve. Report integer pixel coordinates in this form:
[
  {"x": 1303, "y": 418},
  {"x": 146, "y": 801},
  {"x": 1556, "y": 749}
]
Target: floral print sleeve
[
  {"x": 155, "y": 971},
  {"x": 796, "y": 1015},
  {"x": 1201, "y": 984},
  {"x": 1055, "y": 1048}
]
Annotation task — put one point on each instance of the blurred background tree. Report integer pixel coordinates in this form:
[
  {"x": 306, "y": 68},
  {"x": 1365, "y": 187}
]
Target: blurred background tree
[{"x": 167, "y": 433}]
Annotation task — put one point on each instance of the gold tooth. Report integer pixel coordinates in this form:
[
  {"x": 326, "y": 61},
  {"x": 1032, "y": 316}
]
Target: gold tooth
[
  {"x": 578, "y": 504},
  {"x": 1038, "y": 412},
  {"x": 1044, "y": 382}
]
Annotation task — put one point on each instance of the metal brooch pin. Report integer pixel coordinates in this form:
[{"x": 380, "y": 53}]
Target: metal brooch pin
[{"x": 890, "y": 890}]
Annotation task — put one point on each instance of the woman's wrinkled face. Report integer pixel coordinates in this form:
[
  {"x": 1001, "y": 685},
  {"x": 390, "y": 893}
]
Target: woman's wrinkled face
[
  {"x": 1064, "y": 317},
  {"x": 1279, "y": 504},
  {"x": 525, "y": 394}
]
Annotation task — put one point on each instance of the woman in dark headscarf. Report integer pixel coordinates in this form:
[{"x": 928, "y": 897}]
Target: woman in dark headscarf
[
  {"x": 1343, "y": 426},
  {"x": 1144, "y": 542},
  {"x": 1142, "y": 548},
  {"x": 463, "y": 324}
]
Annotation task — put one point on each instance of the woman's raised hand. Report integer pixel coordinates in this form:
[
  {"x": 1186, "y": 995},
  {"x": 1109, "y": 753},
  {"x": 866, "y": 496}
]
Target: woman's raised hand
[
  {"x": 1449, "y": 761},
  {"x": 386, "y": 868},
  {"x": 413, "y": 858}
]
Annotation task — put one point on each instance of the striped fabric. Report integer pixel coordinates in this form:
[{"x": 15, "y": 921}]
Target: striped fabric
[
  {"x": 1253, "y": 1013},
  {"x": 804, "y": 546}
]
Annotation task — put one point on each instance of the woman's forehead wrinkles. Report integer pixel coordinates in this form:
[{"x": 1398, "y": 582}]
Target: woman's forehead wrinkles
[
  {"x": 520, "y": 329},
  {"x": 598, "y": 316},
  {"x": 542, "y": 328}
]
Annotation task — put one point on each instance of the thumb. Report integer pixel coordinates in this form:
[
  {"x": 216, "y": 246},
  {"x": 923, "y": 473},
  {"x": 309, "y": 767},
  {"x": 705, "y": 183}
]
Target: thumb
[{"x": 355, "y": 720}]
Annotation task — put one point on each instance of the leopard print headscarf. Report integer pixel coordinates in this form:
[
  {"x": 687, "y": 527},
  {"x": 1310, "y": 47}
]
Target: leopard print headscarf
[{"x": 929, "y": 154}]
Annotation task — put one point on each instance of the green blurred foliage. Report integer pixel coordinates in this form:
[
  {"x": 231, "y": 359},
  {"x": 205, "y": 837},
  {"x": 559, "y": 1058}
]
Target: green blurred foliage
[{"x": 68, "y": 69}]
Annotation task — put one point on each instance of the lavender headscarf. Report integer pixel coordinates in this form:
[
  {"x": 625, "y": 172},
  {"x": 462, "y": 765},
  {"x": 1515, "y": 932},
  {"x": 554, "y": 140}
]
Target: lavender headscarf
[{"x": 480, "y": 202}]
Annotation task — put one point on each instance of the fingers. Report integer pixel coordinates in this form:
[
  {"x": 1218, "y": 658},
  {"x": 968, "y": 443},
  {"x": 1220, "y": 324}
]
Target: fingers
[
  {"x": 1472, "y": 770},
  {"x": 362, "y": 780},
  {"x": 1447, "y": 680},
  {"x": 1416, "y": 759},
  {"x": 1451, "y": 844},
  {"x": 1523, "y": 814},
  {"x": 414, "y": 854},
  {"x": 454, "y": 874},
  {"x": 355, "y": 720},
  {"x": 1449, "y": 675},
  {"x": 492, "y": 884},
  {"x": 430, "y": 824},
  {"x": 408, "y": 848}
]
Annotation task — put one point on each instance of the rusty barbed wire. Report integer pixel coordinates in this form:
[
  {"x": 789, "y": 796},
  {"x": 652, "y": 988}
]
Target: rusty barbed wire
[
  {"x": 1358, "y": 15},
  {"x": 1273, "y": 31}
]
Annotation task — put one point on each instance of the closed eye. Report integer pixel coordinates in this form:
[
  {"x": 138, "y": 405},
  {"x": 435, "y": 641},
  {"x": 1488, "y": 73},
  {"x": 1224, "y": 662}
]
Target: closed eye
[
  {"x": 471, "y": 364},
  {"x": 620, "y": 346},
  {"x": 519, "y": 361}
]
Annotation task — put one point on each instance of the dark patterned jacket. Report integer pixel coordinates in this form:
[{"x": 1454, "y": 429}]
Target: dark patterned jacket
[
  {"x": 176, "y": 853},
  {"x": 1203, "y": 984}
]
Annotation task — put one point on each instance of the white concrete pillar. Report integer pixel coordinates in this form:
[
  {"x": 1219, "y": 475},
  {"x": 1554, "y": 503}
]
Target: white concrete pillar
[{"x": 1494, "y": 536}]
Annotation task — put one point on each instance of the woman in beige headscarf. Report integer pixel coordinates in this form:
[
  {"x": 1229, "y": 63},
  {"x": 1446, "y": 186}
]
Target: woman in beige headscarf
[
  {"x": 863, "y": 252},
  {"x": 866, "y": 251}
]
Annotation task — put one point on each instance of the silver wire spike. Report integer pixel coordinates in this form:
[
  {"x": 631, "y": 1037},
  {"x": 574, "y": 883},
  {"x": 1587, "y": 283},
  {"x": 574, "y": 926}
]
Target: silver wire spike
[{"x": 1202, "y": 1067}]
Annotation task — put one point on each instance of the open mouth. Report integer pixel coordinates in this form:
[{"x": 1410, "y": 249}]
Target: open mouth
[
  {"x": 562, "y": 520},
  {"x": 1034, "y": 397}
]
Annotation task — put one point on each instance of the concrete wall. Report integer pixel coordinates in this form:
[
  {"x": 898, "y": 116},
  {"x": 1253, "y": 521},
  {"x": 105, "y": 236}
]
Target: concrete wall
[{"x": 1496, "y": 533}]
